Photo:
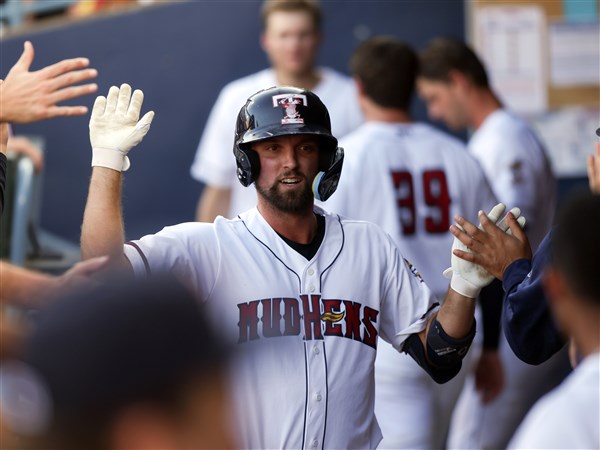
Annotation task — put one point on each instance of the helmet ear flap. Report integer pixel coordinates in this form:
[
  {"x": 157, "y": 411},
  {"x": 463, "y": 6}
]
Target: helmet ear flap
[
  {"x": 248, "y": 165},
  {"x": 326, "y": 182}
]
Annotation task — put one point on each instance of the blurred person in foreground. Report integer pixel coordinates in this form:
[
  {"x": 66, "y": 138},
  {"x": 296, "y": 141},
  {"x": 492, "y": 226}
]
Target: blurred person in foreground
[
  {"x": 130, "y": 365},
  {"x": 569, "y": 416}
]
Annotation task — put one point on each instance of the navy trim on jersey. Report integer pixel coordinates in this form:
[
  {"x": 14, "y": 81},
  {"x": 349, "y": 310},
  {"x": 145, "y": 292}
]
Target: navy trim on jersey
[
  {"x": 326, "y": 397},
  {"x": 144, "y": 259},
  {"x": 434, "y": 305},
  {"x": 279, "y": 259},
  {"x": 336, "y": 256},
  {"x": 305, "y": 396}
]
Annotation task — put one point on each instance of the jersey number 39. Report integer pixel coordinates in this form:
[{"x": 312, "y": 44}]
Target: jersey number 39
[{"x": 435, "y": 196}]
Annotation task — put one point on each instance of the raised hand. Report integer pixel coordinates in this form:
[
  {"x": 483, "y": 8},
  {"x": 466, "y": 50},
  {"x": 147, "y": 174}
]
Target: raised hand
[
  {"x": 115, "y": 127},
  {"x": 31, "y": 96}
]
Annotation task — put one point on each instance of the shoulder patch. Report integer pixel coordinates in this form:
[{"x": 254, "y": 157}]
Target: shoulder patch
[{"x": 413, "y": 270}]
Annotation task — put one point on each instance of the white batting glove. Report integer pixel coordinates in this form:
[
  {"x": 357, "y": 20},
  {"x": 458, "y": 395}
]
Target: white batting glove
[
  {"x": 115, "y": 127},
  {"x": 468, "y": 278}
]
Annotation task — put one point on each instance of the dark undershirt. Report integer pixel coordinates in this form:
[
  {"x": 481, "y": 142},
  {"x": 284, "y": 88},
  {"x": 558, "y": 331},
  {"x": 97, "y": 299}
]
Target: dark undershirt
[
  {"x": 309, "y": 250},
  {"x": 2, "y": 180}
]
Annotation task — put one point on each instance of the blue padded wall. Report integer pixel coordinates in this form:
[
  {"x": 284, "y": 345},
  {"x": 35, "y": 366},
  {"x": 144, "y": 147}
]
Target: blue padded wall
[{"x": 181, "y": 55}]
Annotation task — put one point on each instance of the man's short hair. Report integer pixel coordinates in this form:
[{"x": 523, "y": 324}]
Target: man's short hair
[
  {"x": 576, "y": 246},
  {"x": 387, "y": 69},
  {"x": 444, "y": 55},
  {"x": 311, "y": 7}
]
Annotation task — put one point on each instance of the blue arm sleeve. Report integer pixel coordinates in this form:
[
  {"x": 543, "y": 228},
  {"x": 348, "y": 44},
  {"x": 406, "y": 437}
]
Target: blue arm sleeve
[{"x": 526, "y": 319}]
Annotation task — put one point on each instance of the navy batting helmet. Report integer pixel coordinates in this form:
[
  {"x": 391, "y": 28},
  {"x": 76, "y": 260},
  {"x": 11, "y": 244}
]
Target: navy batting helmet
[{"x": 282, "y": 111}]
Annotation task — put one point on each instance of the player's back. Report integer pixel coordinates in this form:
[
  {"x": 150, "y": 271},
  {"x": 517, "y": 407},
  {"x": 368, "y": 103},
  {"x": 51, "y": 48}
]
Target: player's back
[
  {"x": 517, "y": 167},
  {"x": 411, "y": 179}
]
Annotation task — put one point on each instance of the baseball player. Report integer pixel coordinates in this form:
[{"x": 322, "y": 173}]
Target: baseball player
[
  {"x": 454, "y": 84},
  {"x": 569, "y": 416},
  {"x": 421, "y": 179},
  {"x": 310, "y": 291},
  {"x": 290, "y": 38}
]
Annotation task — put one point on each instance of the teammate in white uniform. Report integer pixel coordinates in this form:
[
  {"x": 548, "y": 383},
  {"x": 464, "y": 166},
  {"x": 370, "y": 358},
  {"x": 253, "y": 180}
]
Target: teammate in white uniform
[
  {"x": 290, "y": 39},
  {"x": 569, "y": 417},
  {"x": 312, "y": 290},
  {"x": 410, "y": 179},
  {"x": 454, "y": 84}
]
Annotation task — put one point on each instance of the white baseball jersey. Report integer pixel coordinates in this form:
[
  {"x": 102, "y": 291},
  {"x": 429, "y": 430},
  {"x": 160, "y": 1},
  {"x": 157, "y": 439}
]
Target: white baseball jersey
[
  {"x": 306, "y": 330},
  {"x": 569, "y": 416},
  {"x": 411, "y": 179},
  {"x": 518, "y": 169},
  {"x": 214, "y": 163}
]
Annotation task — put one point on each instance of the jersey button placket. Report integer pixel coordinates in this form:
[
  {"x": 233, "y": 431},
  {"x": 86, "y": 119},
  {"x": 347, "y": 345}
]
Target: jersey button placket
[{"x": 317, "y": 373}]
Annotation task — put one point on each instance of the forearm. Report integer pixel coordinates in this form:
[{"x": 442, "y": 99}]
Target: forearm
[
  {"x": 526, "y": 319},
  {"x": 21, "y": 287},
  {"x": 456, "y": 314},
  {"x": 446, "y": 338},
  {"x": 102, "y": 231},
  {"x": 213, "y": 202}
]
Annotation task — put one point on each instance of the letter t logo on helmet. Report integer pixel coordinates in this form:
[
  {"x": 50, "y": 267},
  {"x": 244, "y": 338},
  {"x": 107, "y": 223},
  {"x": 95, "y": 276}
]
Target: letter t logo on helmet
[{"x": 282, "y": 111}]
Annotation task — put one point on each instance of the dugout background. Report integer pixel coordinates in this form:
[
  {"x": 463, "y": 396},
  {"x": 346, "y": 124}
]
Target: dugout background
[{"x": 181, "y": 55}]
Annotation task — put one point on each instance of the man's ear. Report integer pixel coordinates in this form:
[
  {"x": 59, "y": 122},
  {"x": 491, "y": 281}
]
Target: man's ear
[
  {"x": 554, "y": 285},
  {"x": 263, "y": 41},
  {"x": 360, "y": 87},
  {"x": 459, "y": 80}
]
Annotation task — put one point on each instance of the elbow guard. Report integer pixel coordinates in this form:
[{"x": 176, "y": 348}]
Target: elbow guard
[
  {"x": 444, "y": 354},
  {"x": 444, "y": 351}
]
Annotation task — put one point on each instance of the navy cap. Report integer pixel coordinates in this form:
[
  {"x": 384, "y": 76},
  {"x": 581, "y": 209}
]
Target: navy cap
[{"x": 105, "y": 347}]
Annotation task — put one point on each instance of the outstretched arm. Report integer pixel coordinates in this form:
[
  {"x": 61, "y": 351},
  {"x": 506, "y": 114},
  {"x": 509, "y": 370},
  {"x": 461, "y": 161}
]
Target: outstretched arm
[
  {"x": 26, "y": 288},
  {"x": 115, "y": 128},
  {"x": 449, "y": 333},
  {"x": 32, "y": 96}
]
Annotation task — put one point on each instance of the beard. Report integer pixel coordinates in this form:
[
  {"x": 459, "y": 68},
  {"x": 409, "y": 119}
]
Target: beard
[{"x": 288, "y": 202}]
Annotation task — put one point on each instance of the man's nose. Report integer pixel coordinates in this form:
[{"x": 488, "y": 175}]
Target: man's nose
[{"x": 290, "y": 158}]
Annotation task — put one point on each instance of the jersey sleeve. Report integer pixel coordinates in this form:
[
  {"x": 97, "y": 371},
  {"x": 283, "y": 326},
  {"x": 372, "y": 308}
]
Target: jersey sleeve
[
  {"x": 509, "y": 168},
  {"x": 526, "y": 318},
  {"x": 189, "y": 251},
  {"x": 214, "y": 163},
  {"x": 408, "y": 302}
]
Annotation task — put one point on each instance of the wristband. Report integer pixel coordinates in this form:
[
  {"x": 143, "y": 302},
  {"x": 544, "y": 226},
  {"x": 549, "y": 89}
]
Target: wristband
[{"x": 111, "y": 158}]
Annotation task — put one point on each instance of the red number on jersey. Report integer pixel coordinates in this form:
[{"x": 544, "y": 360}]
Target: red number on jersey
[
  {"x": 403, "y": 182},
  {"x": 436, "y": 195}
]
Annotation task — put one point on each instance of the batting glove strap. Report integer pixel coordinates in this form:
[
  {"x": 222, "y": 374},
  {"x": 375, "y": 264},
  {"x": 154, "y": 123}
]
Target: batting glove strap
[
  {"x": 460, "y": 285},
  {"x": 111, "y": 158}
]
